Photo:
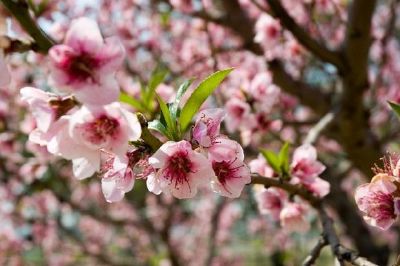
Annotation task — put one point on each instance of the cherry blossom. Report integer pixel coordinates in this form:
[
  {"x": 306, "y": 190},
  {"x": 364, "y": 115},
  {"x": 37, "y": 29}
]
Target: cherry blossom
[
  {"x": 378, "y": 201},
  {"x": 85, "y": 64},
  {"x": 305, "y": 165},
  {"x": 292, "y": 218},
  {"x": 231, "y": 173},
  {"x": 207, "y": 126},
  {"x": 180, "y": 170},
  {"x": 91, "y": 130}
]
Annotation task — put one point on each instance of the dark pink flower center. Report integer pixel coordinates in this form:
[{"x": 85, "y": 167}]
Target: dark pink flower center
[
  {"x": 101, "y": 129},
  {"x": 225, "y": 171},
  {"x": 381, "y": 206},
  {"x": 178, "y": 168},
  {"x": 81, "y": 67}
]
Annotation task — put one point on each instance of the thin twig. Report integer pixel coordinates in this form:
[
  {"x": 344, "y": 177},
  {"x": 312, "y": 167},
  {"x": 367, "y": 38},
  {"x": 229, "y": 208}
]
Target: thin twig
[
  {"x": 315, "y": 252},
  {"x": 319, "y": 127}
]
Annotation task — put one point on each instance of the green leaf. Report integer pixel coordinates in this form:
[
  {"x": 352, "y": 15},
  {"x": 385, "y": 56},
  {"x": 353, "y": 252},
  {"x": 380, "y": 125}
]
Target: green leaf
[
  {"x": 125, "y": 98},
  {"x": 200, "y": 95},
  {"x": 157, "y": 77},
  {"x": 171, "y": 124},
  {"x": 158, "y": 126},
  {"x": 284, "y": 158},
  {"x": 272, "y": 159},
  {"x": 395, "y": 107},
  {"x": 179, "y": 94}
]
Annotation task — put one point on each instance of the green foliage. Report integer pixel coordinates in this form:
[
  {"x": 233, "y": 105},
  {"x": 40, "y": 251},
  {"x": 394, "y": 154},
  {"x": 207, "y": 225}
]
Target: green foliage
[
  {"x": 170, "y": 122},
  {"x": 278, "y": 161},
  {"x": 147, "y": 93},
  {"x": 395, "y": 107},
  {"x": 125, "y": 98},
  {"x": 199, "y": 96},
  {"x": 173, "y": 121}
]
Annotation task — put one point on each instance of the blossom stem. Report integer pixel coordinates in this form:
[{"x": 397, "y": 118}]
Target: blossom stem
[
  {"x": 20, "y": 10},
  {"x": 146, "y": 136}
]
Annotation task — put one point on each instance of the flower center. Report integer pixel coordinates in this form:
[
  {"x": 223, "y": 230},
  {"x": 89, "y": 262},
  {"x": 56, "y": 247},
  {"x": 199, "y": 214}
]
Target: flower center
[
  {"x": 81, "y": 67},
  {"x": 225, "y": 170},
  {"x": 101, "y": 129},
  {"x": 382, "y": 206},
  {"x": 178, "y": 168}
]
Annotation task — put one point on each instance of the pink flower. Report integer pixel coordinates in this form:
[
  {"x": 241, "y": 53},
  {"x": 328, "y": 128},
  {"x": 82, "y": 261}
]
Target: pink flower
[
  {"x": 268, "y": 30},
  {"x": 91, "y": 130},
  {"x": 38, "y": 102},
  {"x": 118, "y": 179},
  {"x": 45, "y": 107},
  {"x": 377, "y": 201},
  {"x": 270, "y": 201},
  {"x": 85, "y": 64},
  {"x": 207, "y": 126},
  {"x": 261, "y": 167},
  {"x": 120, "y": 172},
  {"x": 183, "y": 5},
  {"x": 264, "y": 92},
  {"x": 292, "y": 218},
  {"x": 319, "y": 187},
  {"x": 305, "y": 165},
  {"x": 180, "y": 170},
  {"x": 5, "y": 77},
  {"x": 231, "y": 174},
  {"x": 238, "y": 112}
]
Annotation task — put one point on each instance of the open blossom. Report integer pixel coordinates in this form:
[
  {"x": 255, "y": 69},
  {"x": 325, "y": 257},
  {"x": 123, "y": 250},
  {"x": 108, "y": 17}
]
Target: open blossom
[
  {"x": 379, "y": 201},
  {"x": 207, "y": 126},
  {"x": 120, "y": 172},
  {"x": 264, "y": 92},
  {"x": 238, "y": 112},
  {"x": 305, "y": 165},
  {"x": 180, "y": 170},
  {"x": 91, "y": 130},
  {"x": 270, "y": 201},
  {"x": 46, "y": 109},
  {"x": 231, "y": 174},
  {"x": 292, "y": 217},
  {"x": 319, "y": 187},
  {"x": 85, "y": 64},
  {"x": 118, "y": 178},
  {"x": 261, "y": 167}
]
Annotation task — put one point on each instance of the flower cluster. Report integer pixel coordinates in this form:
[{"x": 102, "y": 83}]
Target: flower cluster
[
  {"x": 86, "y": 120},
  {"x": 379, "y": 200},
  {"x": 275, "y": 202},
  {"x": 209, "y": 158}
]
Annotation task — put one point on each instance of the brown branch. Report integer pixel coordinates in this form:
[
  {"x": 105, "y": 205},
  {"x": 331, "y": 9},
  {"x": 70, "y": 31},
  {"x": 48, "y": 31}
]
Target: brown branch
[
  {"x": 329, "y": 232},
  {"x": 315, "y": 252},
  {"x": 303, "y": 37},
  {"x": 20, "y": 10}
]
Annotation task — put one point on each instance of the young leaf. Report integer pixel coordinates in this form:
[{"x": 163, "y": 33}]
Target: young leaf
[
  {"x": 125, "y": 98},
  {"x": 395, "y": 107},
  {"x": 156, "y": 79},
  {"x": 272, "y": 159},
  {"x": 198, "y": 97},
  {"x": 171, "y": 124},
  {"x": 158, "y": 126},
  {"x": 181, "y": 91},
  {"x": 284, "y": 158}
]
